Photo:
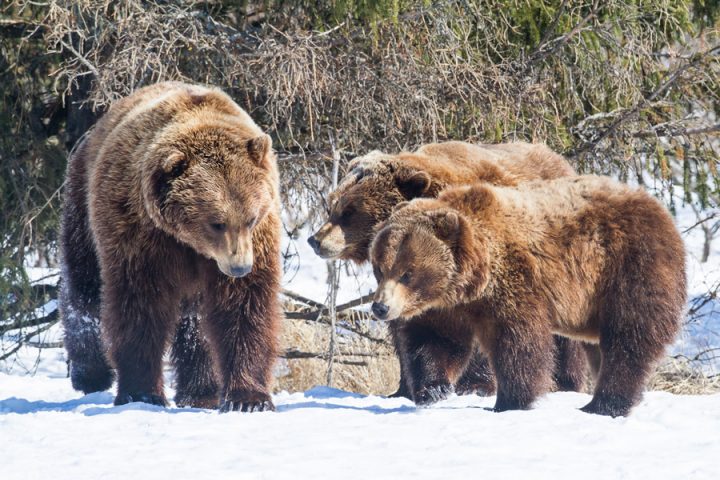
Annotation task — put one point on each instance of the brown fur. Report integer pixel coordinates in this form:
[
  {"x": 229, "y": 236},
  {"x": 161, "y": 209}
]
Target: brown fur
[
  {"x": 182, "y": 199},
  {"x": 586, "y": 258},
  {"x": 377, "y": 182}
]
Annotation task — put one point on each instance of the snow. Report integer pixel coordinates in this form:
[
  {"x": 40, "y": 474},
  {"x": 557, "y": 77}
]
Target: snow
[{"x": 49, "y": 431}]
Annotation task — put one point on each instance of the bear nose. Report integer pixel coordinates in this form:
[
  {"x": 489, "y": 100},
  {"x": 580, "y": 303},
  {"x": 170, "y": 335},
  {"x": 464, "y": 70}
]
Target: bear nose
[
  {"x": 240, "y": 270},
  {"x": 380, "y": 310},
  {"x": 314, "y": 243}
]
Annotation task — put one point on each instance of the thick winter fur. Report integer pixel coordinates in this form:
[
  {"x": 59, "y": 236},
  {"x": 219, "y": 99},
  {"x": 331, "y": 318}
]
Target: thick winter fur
[
  {"x": 586, "y": 258},
  {"x": 173, "y": 201},
  {"x": 377, "y": 182}
]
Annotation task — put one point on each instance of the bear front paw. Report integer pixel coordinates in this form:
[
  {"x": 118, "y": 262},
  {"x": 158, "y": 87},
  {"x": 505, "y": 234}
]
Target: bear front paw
[
  {"x": 247, "y": 402},
  {"x": 611, "y": 406},
  {"x": 151, "y": 398},
  {"x": 432, "y": 394}
]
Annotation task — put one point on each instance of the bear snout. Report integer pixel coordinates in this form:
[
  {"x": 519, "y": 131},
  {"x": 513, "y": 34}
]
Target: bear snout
[
  {"x": 328, "y": 242},
  {"x": 380, "y": 310},
  {"x": 236, "y": 270},
  {"x": 240, "y": 270},
  {"x": 314, "y": 244}
]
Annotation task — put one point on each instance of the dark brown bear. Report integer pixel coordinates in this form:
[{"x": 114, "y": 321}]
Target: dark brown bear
[
  {"x": 172, "y": 209},
  {"x": 585, "y": 257},
  {"x": 364, "y": 199}
]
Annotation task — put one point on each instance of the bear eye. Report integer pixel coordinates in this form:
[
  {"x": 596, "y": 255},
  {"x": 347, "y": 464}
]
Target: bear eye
[
  {"x": 219, "y": 227},
  {"x": 252, "y": 222},
  {"x": 345, "y": 216},
  {"x": 405, "y": 278},
  {"x": 377, "y": 272}
]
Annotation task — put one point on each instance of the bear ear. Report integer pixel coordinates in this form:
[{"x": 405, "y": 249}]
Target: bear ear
[
  {"x": 258, "y": 149},
  {"x": 446, "y": 224},
  {"x": 359, "y": 167},
  {"x": 174, "y": 164},
  {"x": 413, "y": 185},
  {"x": 198, "y": 96},
  {"x": 366, "y": 162}
]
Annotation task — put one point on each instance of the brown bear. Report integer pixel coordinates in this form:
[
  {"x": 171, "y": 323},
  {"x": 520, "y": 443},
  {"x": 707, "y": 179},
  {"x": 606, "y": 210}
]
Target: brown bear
[
  {"x": 376, "y": 183},
  {"x": 172, "y": 209},
  {"x": 586, "y": 258}
]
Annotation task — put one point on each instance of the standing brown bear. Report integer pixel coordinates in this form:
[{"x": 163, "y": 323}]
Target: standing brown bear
[
  {"x": 584, "y": 257},
  {"x": 364, "y": 199},
  {"x": 173, "y": 200}
]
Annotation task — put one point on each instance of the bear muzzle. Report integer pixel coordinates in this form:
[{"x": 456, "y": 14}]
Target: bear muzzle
[
  {"x": 380, "y": 310},
  {"x": 235, "y": 270},
  {"x": 236, "y": 265},
  {"x": 388, "y": 303},
  {"x": 328, "y": 242}
]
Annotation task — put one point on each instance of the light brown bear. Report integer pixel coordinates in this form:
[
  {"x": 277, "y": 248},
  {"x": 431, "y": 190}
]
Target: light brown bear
[
  {"x": 173, "y": 200},
  {"x": 376, "y": 183},
  {"x": 586, "y": 257}
]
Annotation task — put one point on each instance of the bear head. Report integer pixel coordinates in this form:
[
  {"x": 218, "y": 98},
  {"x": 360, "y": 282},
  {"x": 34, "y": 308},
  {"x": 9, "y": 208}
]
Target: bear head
[
  {"x": 210, "y": 186},
  {"x": 426, "y": 256},
  {"x": 365, "y": 198}
]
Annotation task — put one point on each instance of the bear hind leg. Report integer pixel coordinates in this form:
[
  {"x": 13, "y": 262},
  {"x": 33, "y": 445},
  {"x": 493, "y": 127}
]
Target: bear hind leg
[
  {"x": 79, "y": 298},
  {"x": 636, "y": 326},
  {"x": 89, "y": 368},
  {"x": 626, "y": 362},
  {"x": 570, "y": 365}
]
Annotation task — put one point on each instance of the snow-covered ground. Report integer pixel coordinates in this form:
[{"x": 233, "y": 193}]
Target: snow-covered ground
[{"x": 49, "y": 431}]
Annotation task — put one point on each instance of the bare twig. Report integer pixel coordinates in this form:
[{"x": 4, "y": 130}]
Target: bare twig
[{"x": 669, "y": 131}]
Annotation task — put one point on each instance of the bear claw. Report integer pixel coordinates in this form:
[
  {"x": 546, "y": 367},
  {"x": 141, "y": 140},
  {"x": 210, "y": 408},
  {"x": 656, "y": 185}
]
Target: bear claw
[
  {"x": 432, "y": 394},
  {"x": 151, "y": 398},
  {"x": 611, "y": 407},
  {"x": 254, "y": 402}
]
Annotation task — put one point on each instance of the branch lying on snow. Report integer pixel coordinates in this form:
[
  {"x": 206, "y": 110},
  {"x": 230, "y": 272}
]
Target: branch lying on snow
[
  {"x": 299, "y": 298},
  {"x": 25, "y": 339},
  {"x": 292, "y": 354},
  {"x": 320, "y": 312},
  {"x": 45, "y": 344},
  {"x": 50, "y": 319},
  {"x": 321, "y": 309}
]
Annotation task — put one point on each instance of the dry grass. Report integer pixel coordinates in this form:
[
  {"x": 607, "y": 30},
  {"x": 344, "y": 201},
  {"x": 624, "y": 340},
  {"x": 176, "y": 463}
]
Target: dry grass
[
  {"x": 681, "y": 377},
  {"x": 378, "y": 374},
  {"x": 583, "y": 88}
]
